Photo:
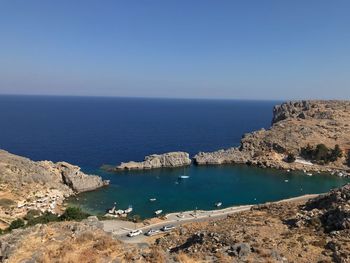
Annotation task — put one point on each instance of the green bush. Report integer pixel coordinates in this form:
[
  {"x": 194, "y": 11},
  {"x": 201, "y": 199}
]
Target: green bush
[
  {"x": 321, "y": 153},
  {"x": 74, "y": 213},
  {"x": 31, "y": 214},
  {"x": 290, "y": 158},
  {"x": 18, "y": 223},
  {"x": 45, "y": 218}
]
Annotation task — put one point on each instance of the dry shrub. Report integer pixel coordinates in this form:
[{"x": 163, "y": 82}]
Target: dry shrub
[
  {"x": 156, "y": 255},
  {"x": 223, "y": 258},
  {"x": 183, "y": 258},
  {"x": 6, "y": 203},
  {"x": 85, "y": 237},
  {"x": 105, "y": 243},
  {"x": 89, "y": 255}
]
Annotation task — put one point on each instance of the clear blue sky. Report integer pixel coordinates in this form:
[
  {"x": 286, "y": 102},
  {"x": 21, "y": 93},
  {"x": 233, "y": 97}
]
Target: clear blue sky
[{"x": 176, "y": 48}]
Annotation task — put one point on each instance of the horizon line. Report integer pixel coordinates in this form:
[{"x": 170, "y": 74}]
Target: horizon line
[{"x": 160, "y": 98}]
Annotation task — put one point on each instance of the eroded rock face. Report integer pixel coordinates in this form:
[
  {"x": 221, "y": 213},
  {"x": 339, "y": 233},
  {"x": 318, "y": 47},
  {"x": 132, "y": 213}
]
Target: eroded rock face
[
  {"x": 28, "y": 185},
  {"x": 166, "y": 160},
  {"x": 77, "y": 180},
  {"x": 16, "y": 170}
]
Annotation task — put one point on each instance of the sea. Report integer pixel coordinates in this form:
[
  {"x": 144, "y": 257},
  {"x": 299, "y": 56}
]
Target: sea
[{"x": 96, "y": 131}]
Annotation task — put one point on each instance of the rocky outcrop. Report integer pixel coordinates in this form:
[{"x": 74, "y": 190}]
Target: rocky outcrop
[
  {"x": 166, "y": 160},
  {"x": 231, "y": 155},
  {"x": 16, "y": 170},
  {"x": 77, "y": 180},
  {"x": 331, "y": 211},
  {"x": 294, "y": 125},
  {"x": 41, "y": 185}
]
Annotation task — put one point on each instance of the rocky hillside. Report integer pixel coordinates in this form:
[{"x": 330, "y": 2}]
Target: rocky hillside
[
  {"x": 62, "y": 242},
  {"x": 43, "y": 185},
  {"x": 304, "y": 231},
  {"x": 315, "y": 231},
  {"x": 294, "y": 125}
]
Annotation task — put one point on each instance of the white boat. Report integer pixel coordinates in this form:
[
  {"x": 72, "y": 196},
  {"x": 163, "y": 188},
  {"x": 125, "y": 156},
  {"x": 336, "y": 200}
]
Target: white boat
[
  {"x": 152, "y": 199},
  {"x": 309, "y": 174},
  {"x": 129, "y": 210},
  {"x": 218, "y": 204},
  {"x": 119, "y": 212},
  {"x": 158, "y": 212},
  {"x": 111, "y": 211},
  {"x": 286, "y": 181},
  {"x": 184, "y": 176}
]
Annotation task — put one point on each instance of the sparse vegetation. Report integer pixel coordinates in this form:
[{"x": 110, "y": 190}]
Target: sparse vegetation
[
  {"x": 290, "y": 158},
  {"x": 45, "y": 218},
  {"x": 33, "y": 217},
  {"x": 74, "y": 213},
  {"x": 31, "y": 214},
  {"x": 321, "y": 153},
  {"x": 18, "y": 223}
]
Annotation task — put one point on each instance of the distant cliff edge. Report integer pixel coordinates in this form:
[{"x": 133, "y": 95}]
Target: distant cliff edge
[{"x": 310, "y": 135}]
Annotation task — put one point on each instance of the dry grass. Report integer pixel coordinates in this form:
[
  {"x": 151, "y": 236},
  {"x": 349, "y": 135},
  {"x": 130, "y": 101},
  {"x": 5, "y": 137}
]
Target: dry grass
[
  {"x": 183, "y": 258},
  {"x": 56, "y": 243}
]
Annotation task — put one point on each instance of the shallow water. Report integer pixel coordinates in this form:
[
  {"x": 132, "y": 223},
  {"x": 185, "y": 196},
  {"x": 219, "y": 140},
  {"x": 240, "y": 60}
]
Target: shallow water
[{"x": 231, "y": 185}]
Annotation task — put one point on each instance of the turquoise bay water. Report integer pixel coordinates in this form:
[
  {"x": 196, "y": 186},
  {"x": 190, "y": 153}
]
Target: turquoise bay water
[{"x": 231, "y": 185}]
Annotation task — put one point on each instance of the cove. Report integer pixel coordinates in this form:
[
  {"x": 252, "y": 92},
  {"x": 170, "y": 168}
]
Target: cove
[{"x": 230, "y": 184}]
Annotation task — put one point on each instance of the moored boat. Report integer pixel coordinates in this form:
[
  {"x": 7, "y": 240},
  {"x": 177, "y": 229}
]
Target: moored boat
[
  {"x": 218, "y": 204},
  {"x": 129, "y": 210}
]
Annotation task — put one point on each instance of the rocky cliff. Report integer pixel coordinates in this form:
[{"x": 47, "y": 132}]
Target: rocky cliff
[
  {"x": 17, "y": 170},
  {"x": 294, "y": 125},
  {"x": 166, "y": 160},
  {"x": 42, "y": 185}
]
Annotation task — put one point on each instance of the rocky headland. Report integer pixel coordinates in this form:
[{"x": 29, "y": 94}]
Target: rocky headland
[
  {"x": 166, "y": 160},
  {"x": 28, "y": 185},
  {"x": 295, "y": 125}
]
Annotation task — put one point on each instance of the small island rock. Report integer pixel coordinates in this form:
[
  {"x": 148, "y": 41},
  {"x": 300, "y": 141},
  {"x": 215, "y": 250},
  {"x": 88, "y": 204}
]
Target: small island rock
[{"x": 166, "y": 160}]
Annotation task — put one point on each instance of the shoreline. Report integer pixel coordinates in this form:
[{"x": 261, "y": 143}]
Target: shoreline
[
  {"x": 120, "y": 228},
  {"x": 229, "y": 209}
]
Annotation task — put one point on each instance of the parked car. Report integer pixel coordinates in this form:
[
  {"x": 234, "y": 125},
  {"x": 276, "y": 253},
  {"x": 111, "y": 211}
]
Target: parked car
[
  {"x": 152, "y": 232},
  {"x": 134, "y": 233},
  {"x": 167, "y": 228}
]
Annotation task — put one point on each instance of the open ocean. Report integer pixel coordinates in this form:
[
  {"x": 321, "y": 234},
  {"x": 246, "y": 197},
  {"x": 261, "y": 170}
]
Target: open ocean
[{"x": 92, "y": 131}]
